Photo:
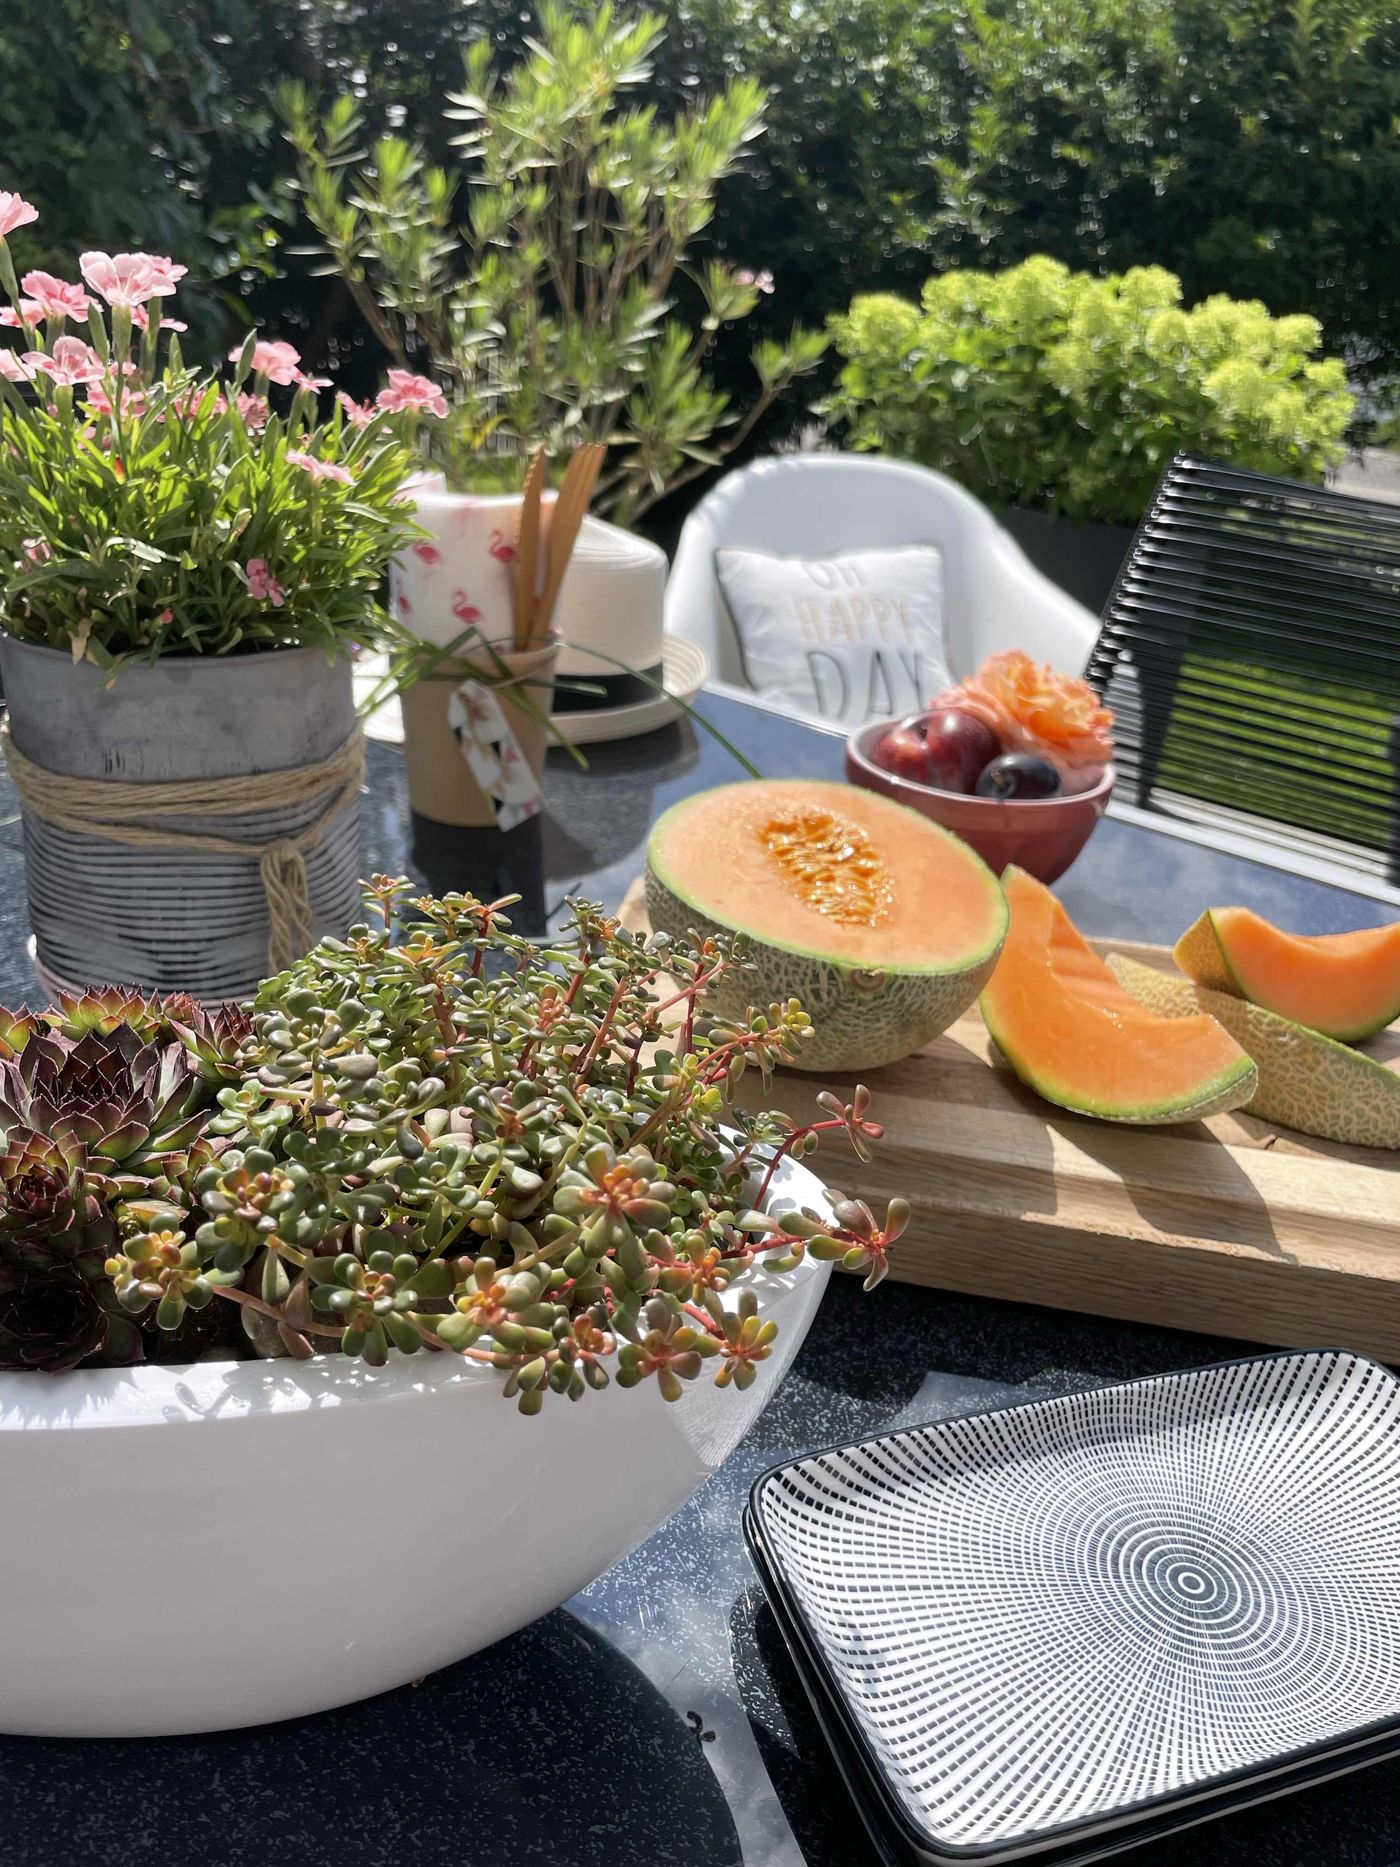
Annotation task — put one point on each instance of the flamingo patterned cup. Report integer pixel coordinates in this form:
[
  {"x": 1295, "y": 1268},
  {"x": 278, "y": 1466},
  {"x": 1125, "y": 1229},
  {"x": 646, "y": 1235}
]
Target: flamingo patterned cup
[
  {"x": 474, "y": 752},
  {"x": 462, "y": 574}
]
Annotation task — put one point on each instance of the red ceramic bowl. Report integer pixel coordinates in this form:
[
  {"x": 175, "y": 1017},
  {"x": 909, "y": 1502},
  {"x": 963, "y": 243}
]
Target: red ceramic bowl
[{"x": 1042, "y": 835}]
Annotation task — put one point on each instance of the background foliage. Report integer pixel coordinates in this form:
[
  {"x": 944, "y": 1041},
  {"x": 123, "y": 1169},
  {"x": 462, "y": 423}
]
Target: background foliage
[
  {"x": 139, "y": 124},
  {"x": 1249, "y": 148}
]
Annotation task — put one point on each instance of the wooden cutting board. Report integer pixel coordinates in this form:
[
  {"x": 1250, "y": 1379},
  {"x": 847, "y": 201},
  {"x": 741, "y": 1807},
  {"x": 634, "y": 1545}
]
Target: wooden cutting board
[{"x": 1232, "y": 1226}]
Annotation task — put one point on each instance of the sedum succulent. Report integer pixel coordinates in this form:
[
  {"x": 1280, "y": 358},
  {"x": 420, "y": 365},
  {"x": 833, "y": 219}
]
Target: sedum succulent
[{"x": 432, "y": 1136}]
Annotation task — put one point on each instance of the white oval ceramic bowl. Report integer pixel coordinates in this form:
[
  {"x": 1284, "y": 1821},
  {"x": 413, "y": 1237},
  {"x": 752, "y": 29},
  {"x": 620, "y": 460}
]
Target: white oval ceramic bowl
[{"x": 229, "y": 1543}]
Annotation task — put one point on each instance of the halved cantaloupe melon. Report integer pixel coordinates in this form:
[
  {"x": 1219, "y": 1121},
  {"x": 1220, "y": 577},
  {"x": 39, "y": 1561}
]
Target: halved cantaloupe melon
[
  {"x": 1306, "y": 1081},
  {"x": 1345, "y": 985},
  {"x": 1080, "y": 1039},
  {"x": 884, "y": 925}
]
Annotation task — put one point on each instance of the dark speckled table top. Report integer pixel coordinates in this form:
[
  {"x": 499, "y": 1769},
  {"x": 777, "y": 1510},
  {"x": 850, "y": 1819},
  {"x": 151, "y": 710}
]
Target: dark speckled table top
[{"x": 654, "y": 1721}]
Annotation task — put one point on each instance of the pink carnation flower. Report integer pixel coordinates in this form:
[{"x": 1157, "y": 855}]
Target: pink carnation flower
[
  {"x": 27, "y": 312},
  {"x": 163, "y": 272},
  {"x": 14, "y": 212},
  {"x": 278, "y": 362},
  {"x": 131, "y": 402},
  {"x": 124, "y": 279},
  {"x": 263, "y": 587},
  {"x": 13, "y": 367},
  {"x": 407, "y": 392},
  {"x": 358, "y": 414},
  {"x": 37, "y": 550},
  {"x": 311, "y": 382},
  {"x": 141, "y": 318},
  {"x": 320, "y": 469},
  {"x": 254, "y": 410},
  {"x": 72, "y": 362},
  {"x": 188, "y": 402},
  {"x": 55, "y": 298}
]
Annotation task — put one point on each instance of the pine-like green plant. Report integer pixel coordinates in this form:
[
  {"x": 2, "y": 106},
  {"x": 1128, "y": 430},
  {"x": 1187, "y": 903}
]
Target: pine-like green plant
[
  {"x": 1048, "y": 388},
  {"x": 539, "y": 282}
]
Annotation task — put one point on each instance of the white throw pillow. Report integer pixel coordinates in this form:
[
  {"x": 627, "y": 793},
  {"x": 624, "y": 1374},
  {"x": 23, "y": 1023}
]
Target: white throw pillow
[{"x": 847, "y": 639}]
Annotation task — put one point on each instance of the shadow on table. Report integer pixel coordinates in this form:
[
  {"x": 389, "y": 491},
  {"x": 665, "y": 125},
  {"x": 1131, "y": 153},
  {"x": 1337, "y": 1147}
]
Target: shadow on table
[
  {"x": 823, "y": 1819},
  {"x": 550, "y": 1748},
  {"x": 598, "y": 813},
  {"x": 1223, "y": 1202}
]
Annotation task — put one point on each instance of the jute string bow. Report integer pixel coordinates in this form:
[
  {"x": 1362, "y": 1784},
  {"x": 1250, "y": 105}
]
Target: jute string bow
[{"x": 122, "y": 813}]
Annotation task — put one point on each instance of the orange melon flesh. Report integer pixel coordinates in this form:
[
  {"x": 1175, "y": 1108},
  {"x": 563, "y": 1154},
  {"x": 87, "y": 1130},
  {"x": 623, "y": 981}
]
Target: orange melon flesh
[
  {"x": 1080, "y": 1039},
  {"x": 827, "y": 869},
  {"x": 1345, "y": 985}
]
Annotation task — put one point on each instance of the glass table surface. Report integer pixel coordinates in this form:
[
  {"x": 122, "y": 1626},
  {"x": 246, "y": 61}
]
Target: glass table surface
[{"x": 655, "y": 1720}]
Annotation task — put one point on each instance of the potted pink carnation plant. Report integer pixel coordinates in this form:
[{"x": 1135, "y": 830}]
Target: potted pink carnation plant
[{"x": 187, "y": 562}]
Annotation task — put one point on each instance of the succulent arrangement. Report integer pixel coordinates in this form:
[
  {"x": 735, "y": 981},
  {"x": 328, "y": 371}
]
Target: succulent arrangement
[{"x": 434, "y": 1135}]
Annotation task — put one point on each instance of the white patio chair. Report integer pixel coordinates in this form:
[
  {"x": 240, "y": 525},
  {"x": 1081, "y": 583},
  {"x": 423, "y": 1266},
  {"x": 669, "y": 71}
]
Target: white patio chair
[{"x": 810, "y": 505}]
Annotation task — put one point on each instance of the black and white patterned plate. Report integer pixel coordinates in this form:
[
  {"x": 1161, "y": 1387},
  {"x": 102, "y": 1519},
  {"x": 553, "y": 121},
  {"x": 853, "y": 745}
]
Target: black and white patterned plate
[{"x": 1043, "y": 1622}]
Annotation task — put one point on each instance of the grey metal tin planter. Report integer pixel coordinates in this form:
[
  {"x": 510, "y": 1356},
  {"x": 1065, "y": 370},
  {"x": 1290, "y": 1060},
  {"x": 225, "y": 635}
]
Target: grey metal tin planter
[{"x": 173, "y": 920}]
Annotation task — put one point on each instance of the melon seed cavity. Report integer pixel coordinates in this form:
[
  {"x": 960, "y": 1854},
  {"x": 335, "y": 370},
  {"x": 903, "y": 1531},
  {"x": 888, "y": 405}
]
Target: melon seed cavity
[{"x": 832, "y": 865}]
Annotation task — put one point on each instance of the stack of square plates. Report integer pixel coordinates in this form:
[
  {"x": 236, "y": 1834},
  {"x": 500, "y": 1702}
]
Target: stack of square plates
[{"x": 1060, "y": 1630}]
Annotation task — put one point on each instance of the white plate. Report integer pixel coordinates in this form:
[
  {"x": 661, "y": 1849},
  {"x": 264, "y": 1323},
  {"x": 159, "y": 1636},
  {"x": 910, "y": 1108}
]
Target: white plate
[
  {"x": 1063, "y": 1618},
  {"x": 684, "y": 668}
]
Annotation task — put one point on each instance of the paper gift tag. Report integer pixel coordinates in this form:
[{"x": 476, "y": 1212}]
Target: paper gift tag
[{"x": 493, "y": 753}]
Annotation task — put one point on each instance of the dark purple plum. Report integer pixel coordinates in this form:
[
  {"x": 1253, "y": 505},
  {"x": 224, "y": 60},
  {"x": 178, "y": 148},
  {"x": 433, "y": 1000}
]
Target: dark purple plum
[
  {"x": 1019, "y": 774},
  {"x": 957, "y": 747}
]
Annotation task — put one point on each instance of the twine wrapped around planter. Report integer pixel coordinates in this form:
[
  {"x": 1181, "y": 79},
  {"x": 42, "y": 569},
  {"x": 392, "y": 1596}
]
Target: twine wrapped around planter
[{"x": 122, "y": 813}]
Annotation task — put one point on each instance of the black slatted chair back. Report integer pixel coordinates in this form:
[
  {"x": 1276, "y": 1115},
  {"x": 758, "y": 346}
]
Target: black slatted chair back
[{"x": 1250, "y": 650}]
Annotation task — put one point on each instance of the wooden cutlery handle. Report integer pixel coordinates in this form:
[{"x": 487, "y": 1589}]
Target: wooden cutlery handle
[
  {"x": 570, "y": 510},
  {"x": 527, "y": 550}
]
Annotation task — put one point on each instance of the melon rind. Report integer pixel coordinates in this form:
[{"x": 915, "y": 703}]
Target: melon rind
[
  {"x": 1306, "y": 1081},
  {"x": 861, "y": 1019},
  {"x": 1232, "y": 1089},
  {"x": 1200, "y": 955}
]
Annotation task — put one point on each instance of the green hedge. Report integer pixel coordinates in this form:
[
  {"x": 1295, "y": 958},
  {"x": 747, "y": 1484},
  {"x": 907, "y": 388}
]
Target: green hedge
[{"x": 1247, "y": 147}]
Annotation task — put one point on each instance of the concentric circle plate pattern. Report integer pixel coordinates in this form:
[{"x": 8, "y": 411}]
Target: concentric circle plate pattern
[{"x": 1058, "y": 1617}]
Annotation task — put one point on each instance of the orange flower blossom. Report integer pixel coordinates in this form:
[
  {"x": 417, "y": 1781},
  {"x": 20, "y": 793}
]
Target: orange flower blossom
[{"x": 1032, "y": 708}]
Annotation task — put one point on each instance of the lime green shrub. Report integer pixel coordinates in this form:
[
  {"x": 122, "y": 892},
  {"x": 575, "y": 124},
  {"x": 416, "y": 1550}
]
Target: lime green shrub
[{"x": 1043, "y": 387}]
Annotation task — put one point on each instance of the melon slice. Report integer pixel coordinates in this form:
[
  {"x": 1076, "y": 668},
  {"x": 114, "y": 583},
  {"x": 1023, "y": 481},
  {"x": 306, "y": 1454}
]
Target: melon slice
[
  {"x": 1345, "y": 985},
  {"x": 884, "y": 925},
  {"x": 1080, "y": 1039},
  {"x": 1306, "y": 1081}
]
